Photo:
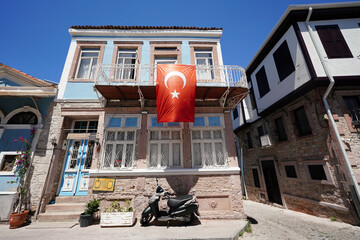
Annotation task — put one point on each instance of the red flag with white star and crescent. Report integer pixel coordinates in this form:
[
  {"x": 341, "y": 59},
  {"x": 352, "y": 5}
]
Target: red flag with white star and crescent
[{"x": 175, "y": 93}]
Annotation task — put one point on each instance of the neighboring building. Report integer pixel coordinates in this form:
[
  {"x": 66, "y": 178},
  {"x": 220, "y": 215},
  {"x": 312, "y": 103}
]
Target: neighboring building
[
  {"x": 105, "y": 122},
  {"x": 24, "y": 103},
  {"x": 292, "y": 154}
]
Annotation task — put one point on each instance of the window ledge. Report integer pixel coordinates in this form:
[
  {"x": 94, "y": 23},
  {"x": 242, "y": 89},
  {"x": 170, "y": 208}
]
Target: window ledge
[{"x": 166, "y": 172}]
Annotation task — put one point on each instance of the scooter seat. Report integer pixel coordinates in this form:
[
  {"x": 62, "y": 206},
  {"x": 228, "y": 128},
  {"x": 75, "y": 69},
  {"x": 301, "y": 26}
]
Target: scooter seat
[{"x": 178, "y": 201}]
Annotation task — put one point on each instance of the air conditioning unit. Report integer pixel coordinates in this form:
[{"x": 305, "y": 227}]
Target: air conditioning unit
[{"x": 265, "y": 141}]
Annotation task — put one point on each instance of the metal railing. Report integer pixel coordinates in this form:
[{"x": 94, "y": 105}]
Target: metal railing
[
  {"x": 355, "y": 116},
  {"x": 145, "y": 75}
]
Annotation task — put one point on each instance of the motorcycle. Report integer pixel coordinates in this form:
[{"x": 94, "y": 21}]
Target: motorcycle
[{"x": 181, "y": 208}]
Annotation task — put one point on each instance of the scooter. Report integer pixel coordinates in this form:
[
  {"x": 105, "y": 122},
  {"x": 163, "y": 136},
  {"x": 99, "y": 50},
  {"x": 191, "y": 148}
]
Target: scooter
[{"x": 182, "y": 208}]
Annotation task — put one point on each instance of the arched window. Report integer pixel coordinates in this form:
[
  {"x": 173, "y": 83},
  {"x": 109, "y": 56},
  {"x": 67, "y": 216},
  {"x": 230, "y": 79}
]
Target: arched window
[{"x": 23, "y": 118}]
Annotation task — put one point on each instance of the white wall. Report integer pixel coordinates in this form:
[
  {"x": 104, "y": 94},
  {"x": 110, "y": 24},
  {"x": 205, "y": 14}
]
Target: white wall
[
  {"x": 279, "y": 89},
  {"x": 342, "y": 66}
]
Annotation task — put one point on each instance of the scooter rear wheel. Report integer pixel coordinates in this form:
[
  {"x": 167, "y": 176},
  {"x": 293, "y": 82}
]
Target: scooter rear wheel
[
  {"x": 146, "y": 219},
  {"x": 189, "y": 218}
]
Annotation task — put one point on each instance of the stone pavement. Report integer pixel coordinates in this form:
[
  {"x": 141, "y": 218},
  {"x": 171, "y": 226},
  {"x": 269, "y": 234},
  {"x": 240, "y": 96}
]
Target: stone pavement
[
  {"x": 278, "y": 223},
  {"x": 206, "y": 229}
]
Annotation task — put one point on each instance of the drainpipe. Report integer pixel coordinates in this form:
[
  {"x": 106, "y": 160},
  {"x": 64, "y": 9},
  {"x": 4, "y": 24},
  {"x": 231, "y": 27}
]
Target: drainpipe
[{"x": 356, "y": 195}]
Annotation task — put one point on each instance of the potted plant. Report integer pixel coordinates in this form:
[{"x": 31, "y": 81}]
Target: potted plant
[
  {"x": 116, "y": 215},
  {"x": 22, "y": 164},
  {"x": 87, "y": 216}
]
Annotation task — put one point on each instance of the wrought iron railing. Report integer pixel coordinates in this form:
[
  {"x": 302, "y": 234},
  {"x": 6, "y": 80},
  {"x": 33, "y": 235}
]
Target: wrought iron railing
[
  {"x": 355, "y": 116},
  {"x": 145, "y": 74}
]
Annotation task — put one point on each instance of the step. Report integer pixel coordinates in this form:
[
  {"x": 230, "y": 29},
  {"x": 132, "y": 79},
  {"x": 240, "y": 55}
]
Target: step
[
  {"x": 59, "y": 217},
  {"x": 65, "y": 207},
  {"x": 71, "y": 199}
]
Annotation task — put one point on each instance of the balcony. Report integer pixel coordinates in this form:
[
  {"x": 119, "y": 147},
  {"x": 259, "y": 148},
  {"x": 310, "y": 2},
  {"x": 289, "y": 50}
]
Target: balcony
[{"x": 134, "y": 81}]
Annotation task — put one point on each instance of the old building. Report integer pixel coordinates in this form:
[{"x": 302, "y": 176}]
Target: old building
[
  {"x": 105, "y": 123},
  {"x": 300, "y": 123},
  {"x": 25, "y": 102}
]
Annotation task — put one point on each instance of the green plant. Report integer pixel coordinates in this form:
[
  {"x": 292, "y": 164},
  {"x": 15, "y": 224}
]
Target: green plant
[
  {"x": 115, "y": 206},
  {"x": 333, "y": 219},
  {"x": 92, "y": 206},
  {"x": 248, "y": 228}
]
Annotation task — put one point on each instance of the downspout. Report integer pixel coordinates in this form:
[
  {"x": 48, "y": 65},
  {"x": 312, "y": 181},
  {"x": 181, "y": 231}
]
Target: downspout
[{"x": 356, "y": 195}]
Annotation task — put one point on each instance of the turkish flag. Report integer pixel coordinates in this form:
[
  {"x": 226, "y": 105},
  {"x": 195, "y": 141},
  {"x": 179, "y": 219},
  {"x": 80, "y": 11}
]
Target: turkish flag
[{"x": 175, "y": 93}]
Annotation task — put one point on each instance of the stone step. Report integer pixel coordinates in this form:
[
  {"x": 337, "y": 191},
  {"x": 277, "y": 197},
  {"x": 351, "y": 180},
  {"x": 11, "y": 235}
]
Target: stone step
[
  {"x": 71, "y": 199},
  {"x": 59, "y": 217},
  {"x": 65, "y": 207}
]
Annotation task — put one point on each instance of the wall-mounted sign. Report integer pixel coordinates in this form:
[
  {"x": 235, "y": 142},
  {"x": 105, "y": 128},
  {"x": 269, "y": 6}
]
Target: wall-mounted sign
[{"x": 104, "y": 184}]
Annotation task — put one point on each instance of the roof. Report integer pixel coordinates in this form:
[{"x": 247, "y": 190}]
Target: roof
[
  {"x": 35, "y": 80},
  {"x": 144, "y": 27},
  {"x": 298, "y": 13}
]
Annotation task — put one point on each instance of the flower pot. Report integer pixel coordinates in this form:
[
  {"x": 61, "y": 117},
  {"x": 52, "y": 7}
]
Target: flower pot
[
  {"x": 85, "y": 219},
  {"x": 17, "y": 219},
  {"x": 119, "y": 219}
]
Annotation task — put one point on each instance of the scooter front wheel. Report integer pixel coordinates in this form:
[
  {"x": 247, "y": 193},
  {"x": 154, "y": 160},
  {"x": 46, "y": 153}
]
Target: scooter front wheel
[{"x": 146, "y": 219}]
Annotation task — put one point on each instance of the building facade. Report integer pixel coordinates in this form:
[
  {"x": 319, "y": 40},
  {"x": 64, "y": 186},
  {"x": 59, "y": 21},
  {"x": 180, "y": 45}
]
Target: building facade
[
  {"x": 301, "y": 133},
  {"x": 104, "y": 121},
  {"x": 24, "y": 104}
]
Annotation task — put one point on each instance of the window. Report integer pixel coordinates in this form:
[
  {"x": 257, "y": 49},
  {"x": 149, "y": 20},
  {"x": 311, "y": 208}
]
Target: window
[
  {"x": 87, "y": 63},
  {"x": 204, "y": 62},
  {"x": 249, "y": 140},
  {"x": 126, "y": 64},
  {"x": 121, "y": 121},
  {"x": 256, "y": 177},
  {"x": 207, "y": 137},
  {"x": 165, "y": 148},
  {"x": 317, "y": 172},
  {"x": 7, "y": 163},
  {"x": 283, "y": 61},
  {"x": 261, "y": 133},
  {"x": 302, "y": 122},
  {"x": 85, "y": 127},
  {"x": 262, "y": 82},
  {"x": 119, "y": 149},
  {"x": 353, "y": 105},
  {"x": 24, "y": 118},
  {"x": 165, "y": 48},
  {"x": 290, "y": 171},
  {"x": 280, "y": 129},
  {"x": 333, "y": 41},
  {"x": 235, "y": 113}
]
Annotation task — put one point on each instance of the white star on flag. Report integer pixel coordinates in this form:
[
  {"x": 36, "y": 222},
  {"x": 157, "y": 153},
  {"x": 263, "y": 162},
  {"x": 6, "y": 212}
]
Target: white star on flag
[{"x": 175, "y": 94}]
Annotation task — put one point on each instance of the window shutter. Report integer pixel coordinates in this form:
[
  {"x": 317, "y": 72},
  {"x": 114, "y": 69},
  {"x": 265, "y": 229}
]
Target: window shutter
[
  {"x": 262, "y": 82},
  {"x": 333, "y": 41}
]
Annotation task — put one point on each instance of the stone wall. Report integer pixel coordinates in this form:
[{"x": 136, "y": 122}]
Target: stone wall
[{"x": 329, "y": 198}]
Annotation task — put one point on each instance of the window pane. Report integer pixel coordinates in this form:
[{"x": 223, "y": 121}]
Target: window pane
[
  {"x": 220, "y": 158},
  {"x": 262, "y": 82},
  {"x": 131, "y": 122},
  {"x": 130, "y": 135},
  {"x": 197, "y": 155},
  {"x": 154, "y": 135},
  {"x": 110, "y": 136},
  {"x": 176, "y": 154},
  {"x": 283, "y": 61},
  {"x": 196, "y": 135},
  {"x": 214, "y": 121},
  {"x": 249, "y": 140},
  {"x": 118, "y": 155},
  {"x": 129, "y": 155},
  {"x": 208, "y": 154},
  {"x": 89, "y": 154},
  {"x": 207, "y": 134},
  {"x": 23, "y": 118},
  {"x": 8, "y": 163},
  {"x": 153, "y": 155},
  {"x": 317, "y": 172},
  {"x": 235, "y": 113},
  {"x": 114, "y": 122},
  {"x": 120, "y": 136},
  {"x": 84, "y": 68},
  {"x": 108, "y": 155},
  {"x": 165, "y": 135},
  {"x": 92, "y": 126},
  {"x": 256, "y": 177},
  {"x": 93, "y": 68},
  {"x": 176, "y": 135},
  {"x": 199, "y": 121},
  {"x": 290, "y": 171},
  {"x": 165, "y": 154},
  {"x": 173, "y": 124},
  {"x": 217, "y": 134},
  {"x": 155, "y": 124},
  {"x": 280, "y": 129},
  {"x": 302, "y": 122}
]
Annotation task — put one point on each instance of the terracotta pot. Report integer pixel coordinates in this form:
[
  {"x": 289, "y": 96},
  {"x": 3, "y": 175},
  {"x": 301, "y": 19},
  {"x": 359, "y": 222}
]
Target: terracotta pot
[{"x": 17, "y": 219}]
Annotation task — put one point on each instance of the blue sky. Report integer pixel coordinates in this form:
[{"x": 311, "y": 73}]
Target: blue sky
[{"x": 34, "y": 34}]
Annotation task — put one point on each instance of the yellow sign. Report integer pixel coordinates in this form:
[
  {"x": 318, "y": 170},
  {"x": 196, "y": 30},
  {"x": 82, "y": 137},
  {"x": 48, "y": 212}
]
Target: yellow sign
[{"x": 104, "y": 184}]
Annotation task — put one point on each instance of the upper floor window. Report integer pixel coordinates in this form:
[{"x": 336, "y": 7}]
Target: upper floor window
[
  {"x": 235, "y": 113},
  {"x": 87, "y": 63},
  {"x": 261, "y": 132},
  {"x": 24, "y": 118},
  {"x": 283, "y": 61},
  {"x": 353, "y": 105},
  {"x": 126, "y": 60},
  {"x": 204, "y": 62},
  {"x": 7, "y": 163},
  {"x": 302, "y": 122},
  {"x": 249, "y": 140},
  {"x": 333, "y": 41},
  {"x": 262, "y": 82},
  {"x": 85, "y": 127},
  {"x": 280, "y": 129}
]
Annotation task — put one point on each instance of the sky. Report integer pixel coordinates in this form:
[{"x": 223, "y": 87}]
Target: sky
[{"x": 34, "y": 34}]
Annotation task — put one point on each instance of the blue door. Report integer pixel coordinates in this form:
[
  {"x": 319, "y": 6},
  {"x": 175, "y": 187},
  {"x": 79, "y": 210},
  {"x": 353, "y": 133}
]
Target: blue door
[{"x": 75, "y": 178}]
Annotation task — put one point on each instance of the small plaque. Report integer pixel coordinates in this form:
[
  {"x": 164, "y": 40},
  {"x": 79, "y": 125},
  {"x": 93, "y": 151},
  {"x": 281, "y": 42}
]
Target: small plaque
[{"x": 104, "y": 184}]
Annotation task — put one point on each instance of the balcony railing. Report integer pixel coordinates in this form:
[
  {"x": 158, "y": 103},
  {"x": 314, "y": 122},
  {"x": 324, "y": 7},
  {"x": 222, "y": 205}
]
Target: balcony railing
[
  {"x": 145, "y": 75},
  {"x": 355, "y": 116}
]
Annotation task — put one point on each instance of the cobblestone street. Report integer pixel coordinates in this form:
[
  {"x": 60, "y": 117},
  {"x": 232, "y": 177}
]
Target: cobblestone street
[{"x": 277, "y": 223}]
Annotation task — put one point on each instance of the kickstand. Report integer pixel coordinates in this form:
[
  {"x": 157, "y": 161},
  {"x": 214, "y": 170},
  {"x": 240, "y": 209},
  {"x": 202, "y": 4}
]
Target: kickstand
[{"x": 168, "y": 222}]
